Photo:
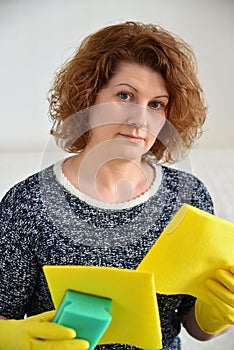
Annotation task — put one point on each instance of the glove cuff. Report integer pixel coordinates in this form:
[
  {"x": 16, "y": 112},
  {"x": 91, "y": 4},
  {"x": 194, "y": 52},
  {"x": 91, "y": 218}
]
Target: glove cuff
[{"x": 207, "y": 319}]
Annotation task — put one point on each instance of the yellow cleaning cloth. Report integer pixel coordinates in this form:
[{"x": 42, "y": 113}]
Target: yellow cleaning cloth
[
  {"x": 189, "y": 251},
  {"x": 135, "y": 317}
]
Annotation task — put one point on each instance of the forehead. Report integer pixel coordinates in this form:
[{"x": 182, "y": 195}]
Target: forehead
[{"x": 139, "y": 75}]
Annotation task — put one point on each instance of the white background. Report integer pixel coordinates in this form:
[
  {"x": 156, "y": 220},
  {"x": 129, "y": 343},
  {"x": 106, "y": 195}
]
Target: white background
[{"x": 38, "y": 36}]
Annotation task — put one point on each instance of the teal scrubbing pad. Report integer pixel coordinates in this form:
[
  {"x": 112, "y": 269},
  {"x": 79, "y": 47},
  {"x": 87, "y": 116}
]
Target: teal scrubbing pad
[{"x": 87, "y": 314}]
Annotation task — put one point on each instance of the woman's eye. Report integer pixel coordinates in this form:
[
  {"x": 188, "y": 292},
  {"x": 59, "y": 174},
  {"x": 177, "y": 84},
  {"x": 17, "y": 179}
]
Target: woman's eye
[
  {"x": 124, "y": 96},
  {"x": 156, "y": 105}
]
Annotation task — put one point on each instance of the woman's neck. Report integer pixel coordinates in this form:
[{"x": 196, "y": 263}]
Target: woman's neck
[{"x": 118, "y": 180}]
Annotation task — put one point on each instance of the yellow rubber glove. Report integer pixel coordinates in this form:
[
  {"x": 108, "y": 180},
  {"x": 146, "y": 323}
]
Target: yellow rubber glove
[
  {"x": 214, "y": 317},
  {"x": 38, "y": 333}
]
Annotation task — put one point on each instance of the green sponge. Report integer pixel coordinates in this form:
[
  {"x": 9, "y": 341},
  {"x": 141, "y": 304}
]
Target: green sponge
[{"x": 87, "y": 314}]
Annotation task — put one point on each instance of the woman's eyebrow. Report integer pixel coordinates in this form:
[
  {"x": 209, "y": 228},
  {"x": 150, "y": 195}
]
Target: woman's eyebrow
[
  {"x": 129, "y": 85},
  {"x": 166, "y": 96}
]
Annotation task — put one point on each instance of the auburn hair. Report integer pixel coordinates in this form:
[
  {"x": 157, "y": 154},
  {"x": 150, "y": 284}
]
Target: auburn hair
[{"x": 79, "y": 80}]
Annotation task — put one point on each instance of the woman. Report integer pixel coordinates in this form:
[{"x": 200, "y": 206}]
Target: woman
[{"x": 128, "y": 100}]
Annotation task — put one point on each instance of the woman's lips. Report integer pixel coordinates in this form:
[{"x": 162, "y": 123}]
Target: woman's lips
[{"x": 133, "y": 138}]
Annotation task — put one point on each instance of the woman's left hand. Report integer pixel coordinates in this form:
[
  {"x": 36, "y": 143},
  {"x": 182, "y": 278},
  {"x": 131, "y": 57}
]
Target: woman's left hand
[{"x": 214, "y": 317}]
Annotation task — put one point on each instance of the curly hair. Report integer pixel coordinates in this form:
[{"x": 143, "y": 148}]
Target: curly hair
[{"x": 79, "y": 80}]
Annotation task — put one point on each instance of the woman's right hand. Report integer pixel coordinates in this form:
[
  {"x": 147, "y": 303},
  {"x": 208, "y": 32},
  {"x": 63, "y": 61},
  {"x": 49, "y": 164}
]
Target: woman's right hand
[{"x": 38, "y": 333}]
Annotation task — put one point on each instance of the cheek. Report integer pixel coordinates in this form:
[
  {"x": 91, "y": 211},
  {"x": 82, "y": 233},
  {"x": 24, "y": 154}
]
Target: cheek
[
  {"x": 104, "y": 132},
  {"x": 150, "y": 140},
  {"x": 104, "y": 114},
  {"x": 155, "y": 125}
]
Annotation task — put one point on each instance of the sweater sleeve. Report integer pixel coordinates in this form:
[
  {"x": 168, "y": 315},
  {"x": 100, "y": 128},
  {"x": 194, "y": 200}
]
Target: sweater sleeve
[
  {"x": 18, "y": 268},
  {"x": 201, "y": 197}
]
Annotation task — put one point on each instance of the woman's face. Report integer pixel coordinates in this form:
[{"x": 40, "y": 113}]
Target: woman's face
[{"x": 129, "y": 111}]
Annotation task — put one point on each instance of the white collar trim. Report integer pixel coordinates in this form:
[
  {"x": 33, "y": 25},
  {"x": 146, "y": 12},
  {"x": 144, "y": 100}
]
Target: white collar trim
[{"x": 62, "y": 179}]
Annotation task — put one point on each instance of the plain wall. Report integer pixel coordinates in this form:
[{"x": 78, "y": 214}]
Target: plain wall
[{"x": 38, "y": 36}]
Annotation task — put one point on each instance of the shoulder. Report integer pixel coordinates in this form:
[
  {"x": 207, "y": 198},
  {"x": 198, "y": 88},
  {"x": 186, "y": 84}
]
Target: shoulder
[
  {"x": 26, "y": 192},
  {"x": 173, "y": 174},
  {"x": 188, "y": 187}
]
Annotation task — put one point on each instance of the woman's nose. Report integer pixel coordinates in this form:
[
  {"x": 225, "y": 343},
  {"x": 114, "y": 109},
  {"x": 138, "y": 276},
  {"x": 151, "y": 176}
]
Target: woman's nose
[{"x": 137, "y": 115}]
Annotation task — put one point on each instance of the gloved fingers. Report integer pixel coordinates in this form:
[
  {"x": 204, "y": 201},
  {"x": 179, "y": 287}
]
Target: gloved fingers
[
  {"x": 225, "y": 310},
  {"x": 225, "y": 296},
  {"x": 45, "y": 316},
  {"x": 76, "y": 344},
  {"x": 232, "y": 269},
  {"x": 49, "y": 331},
  {"x": 226, "y": 278}
]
